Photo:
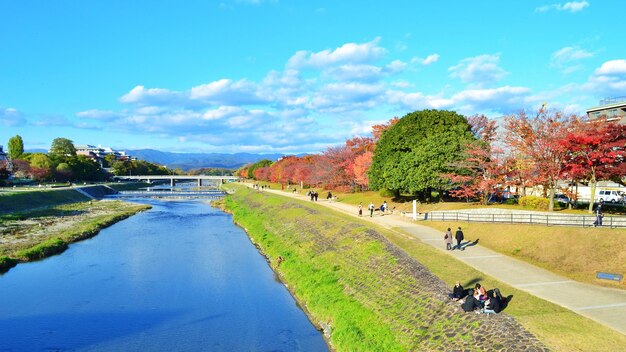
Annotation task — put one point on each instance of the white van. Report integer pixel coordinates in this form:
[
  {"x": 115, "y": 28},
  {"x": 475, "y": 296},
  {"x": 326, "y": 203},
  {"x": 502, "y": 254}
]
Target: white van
[{"x": 609, "y": 196}]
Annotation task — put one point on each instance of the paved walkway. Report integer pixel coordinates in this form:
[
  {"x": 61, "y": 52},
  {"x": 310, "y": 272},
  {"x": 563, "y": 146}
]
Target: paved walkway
[{"x": 606, "y": 306}]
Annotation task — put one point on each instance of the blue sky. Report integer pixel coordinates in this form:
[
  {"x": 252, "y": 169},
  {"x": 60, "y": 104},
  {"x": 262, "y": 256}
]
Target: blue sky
[{"x": 290, "y": 76}]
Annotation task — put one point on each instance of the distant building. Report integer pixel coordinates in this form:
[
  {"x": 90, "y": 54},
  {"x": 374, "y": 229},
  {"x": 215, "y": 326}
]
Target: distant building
[
  {"x": 98, "y": 153},
  {"x": 612, "y": 109},
  {"x": 3, "y": 155}
]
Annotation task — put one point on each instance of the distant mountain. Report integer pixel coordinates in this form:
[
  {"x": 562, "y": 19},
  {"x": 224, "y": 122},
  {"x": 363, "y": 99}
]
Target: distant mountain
[{"x": 188, "y": 161}]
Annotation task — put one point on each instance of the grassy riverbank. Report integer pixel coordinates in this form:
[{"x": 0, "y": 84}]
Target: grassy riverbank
[
  {"x": 355, "y": 282},
  {"x": 33, "y": 235},
  {"x": 19, "y": 201},
  {"x": 574, "y": 252},
  {"x": 348, "y": 276}
]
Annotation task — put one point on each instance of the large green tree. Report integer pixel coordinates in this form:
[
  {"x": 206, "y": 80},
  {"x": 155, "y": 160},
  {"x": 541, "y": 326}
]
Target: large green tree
[
  {"x": 16, "y": 146},
  {"x": 62, "y": 147},
  {"x": 413, "y": 155}
]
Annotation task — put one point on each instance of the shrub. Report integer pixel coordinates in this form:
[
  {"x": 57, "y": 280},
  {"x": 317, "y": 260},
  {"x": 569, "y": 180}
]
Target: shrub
[
  {"x": 534, "y": 202},
  {"x": 511, "y": 201},
  {"x": 386, "y": 193}
]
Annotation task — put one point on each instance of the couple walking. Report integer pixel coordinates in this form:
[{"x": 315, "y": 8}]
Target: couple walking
[{"x": 458, "y": 236}]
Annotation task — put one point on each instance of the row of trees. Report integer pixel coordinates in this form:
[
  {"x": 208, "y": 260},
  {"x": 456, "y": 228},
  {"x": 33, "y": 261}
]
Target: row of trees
[
  {"x": 434, "y": 150},
  {"x": 62, "y": 164},
  {"x": 342, "y": 167}
]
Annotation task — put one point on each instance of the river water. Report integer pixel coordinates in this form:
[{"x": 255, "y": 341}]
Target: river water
[{"x": 179, "y": 277}]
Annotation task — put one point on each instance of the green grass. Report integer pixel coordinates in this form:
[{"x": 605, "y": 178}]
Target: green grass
[
  {"x": 345, "y": 276},
  {"x": 19, "y": 201},
  {"x": 316, "y": 279}
]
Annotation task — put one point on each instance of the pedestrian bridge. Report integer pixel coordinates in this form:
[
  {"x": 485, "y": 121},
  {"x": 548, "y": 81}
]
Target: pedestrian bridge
[{"x": 179, "y": 178}]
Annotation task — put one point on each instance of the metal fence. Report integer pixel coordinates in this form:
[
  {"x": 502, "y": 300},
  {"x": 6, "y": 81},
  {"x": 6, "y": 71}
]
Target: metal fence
[{"x": 528, "y": 218}]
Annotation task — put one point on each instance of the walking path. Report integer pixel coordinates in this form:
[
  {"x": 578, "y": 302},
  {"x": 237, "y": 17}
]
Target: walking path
[{"x": 606, "y": 306}]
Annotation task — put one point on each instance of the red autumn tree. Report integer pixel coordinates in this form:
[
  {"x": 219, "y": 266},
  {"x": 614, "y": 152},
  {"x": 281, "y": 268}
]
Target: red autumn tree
[
  {"x": 596, "y": 152},
  {"x": 537, "y": 139},
  {"x": 480, "y": 171}
]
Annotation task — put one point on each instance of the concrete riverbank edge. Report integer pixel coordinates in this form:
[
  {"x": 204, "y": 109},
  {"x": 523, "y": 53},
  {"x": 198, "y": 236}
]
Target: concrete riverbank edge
[
  {"x": 371, "y": 293},
  {"x": 73, "y": 230},
  {"x": 560, "y": 327}
]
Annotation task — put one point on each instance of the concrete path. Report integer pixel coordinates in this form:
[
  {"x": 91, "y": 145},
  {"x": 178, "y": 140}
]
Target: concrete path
[{"x": 606, "y": 306}]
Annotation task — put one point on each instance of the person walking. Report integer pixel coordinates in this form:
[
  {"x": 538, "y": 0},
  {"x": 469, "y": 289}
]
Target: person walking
[
  {"x": 360, "y": 209},
  {"x": 459, "y": 238},
  {"x": 448, "y": 239},
  {"x": 371, "y": 209},
  {"x": 599, "y": 215}
]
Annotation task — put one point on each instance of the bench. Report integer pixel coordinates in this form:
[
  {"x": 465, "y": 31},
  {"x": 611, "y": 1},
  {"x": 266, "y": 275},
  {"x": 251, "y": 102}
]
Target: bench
[{"x": 609, "y": 276}]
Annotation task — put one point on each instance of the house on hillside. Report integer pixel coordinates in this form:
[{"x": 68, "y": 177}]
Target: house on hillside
[
  {"x": 613, "y": 109},
  {"x": 98, "y": 153}
]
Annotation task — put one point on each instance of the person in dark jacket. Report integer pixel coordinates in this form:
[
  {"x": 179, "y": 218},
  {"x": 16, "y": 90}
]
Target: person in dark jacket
[
  {"x": 492, "y": 305},
  {"x": 471, "y": 303},
  {"x": 458, "y": 291},
  {"x": 459, "y": 238}
]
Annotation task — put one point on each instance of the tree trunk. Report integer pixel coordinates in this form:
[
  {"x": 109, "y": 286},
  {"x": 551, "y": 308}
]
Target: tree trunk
[
  {"x": 593, "y": 194},
  {"x": 551, "y": 204}
]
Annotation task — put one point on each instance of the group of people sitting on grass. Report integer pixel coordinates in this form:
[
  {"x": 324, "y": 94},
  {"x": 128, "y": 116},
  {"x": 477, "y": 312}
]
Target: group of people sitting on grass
[{"x": 478, "y": 299}]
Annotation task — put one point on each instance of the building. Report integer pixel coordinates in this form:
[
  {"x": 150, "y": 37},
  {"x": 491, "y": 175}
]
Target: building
[
  {"x": 613, "y": 109},
  {"x": 98, "y": 153},
  {"x": 3, "y": 155}
]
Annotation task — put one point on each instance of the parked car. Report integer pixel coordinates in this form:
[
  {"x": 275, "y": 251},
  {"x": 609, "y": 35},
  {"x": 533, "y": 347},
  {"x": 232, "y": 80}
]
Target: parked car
[
  {"x": 561, "y": 198},
  {"x": 609, "y": 196}
]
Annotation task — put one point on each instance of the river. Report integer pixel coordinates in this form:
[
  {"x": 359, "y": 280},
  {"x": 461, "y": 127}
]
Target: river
[{"x": 179, "y": 277}]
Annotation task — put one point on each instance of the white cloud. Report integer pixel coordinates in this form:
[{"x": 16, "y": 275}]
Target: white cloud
[
  {"x": 352, "y": 72},
  {"x": 613, "y": 67},
  {"x": 100, "y": 115},
  {"x": 229, "y": 92},
  {"x": 141, "y": 95},
  {"x": 51, "y": 120},
  {"x": 222, "y": 112},
  {"x": 430, "y": 59},
  {"x": 295, "y": 110},
  {"x": 11, "y": 117},
  {"x": 573, "y": 6},
  {"x": 348, "y": 53},
  {"x": 569, "y": 54},
  {"x": 609, "y": 79},
  {"x": 566, "y": 59},
  {"x": 502, "y": 99},
  {"x": 418, "y": 100},
  {"x": 479, "y": 70},
  {"x": 344, "y": 97}
]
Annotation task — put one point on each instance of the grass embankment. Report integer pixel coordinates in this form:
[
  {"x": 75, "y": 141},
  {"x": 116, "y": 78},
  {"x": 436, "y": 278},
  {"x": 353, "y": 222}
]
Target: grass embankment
[
  {"x": 574, "y": 252},
  {"x": 37, "y": 234},
  {"x": 18, "y": 201},
  {"x": 316, "y": 279},
  {"x": 348, "y": 276}
]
